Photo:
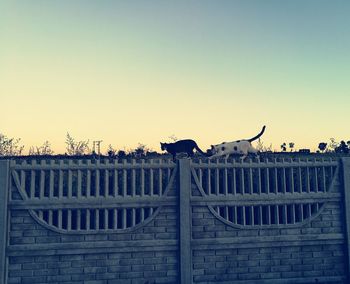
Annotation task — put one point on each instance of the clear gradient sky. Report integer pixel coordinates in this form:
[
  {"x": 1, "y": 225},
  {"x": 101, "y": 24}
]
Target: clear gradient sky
[{"x": 129, "y": 72}]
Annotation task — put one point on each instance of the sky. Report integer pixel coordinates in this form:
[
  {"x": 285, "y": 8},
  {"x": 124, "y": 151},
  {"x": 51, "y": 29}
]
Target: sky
[{"x": 129, "y": 72}]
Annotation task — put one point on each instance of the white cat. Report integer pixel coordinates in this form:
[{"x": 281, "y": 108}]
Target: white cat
[{"x": 236, "y": 147}]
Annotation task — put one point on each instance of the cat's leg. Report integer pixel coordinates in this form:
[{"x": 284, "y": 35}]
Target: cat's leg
[
  {"x": 245, "y": 154},
  {"x": 214, "y": 156},
  {"x": 242, "y": 157}
]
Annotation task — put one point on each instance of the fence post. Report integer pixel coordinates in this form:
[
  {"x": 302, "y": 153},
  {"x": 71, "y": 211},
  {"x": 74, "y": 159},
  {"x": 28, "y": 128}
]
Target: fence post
[
  {"x": 185, "y": 221},
  {"x": 346, "y": 187},
  {"x": 4, "y": 179}
]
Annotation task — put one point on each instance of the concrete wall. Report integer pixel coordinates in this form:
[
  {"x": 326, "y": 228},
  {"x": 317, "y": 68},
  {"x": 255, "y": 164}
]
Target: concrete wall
[{"x": 188, "y": 238}]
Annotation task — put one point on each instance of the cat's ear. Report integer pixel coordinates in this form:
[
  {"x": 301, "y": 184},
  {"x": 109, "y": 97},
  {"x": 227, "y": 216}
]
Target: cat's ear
[{"x": 212, "y": 146}]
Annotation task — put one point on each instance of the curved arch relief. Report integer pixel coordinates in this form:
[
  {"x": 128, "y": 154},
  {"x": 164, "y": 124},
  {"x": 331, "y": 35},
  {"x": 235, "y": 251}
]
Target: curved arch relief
[
  {"x": 265, "y": 195},
  {"x": 82, "y": 197}
]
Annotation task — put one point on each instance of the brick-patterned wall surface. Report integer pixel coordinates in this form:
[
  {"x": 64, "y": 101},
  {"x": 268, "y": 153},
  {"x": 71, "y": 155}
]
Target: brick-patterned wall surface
[
  {"x": 65, "y": 264},
  {"x": 268, "y": 258}
]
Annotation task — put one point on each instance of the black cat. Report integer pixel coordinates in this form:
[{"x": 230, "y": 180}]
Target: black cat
[{"x": 181, "y": 146}]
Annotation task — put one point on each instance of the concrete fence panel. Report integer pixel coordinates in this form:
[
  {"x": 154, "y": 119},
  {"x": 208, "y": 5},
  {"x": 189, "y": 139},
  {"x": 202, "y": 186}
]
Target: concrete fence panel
[{"x": 194, "y": 221}]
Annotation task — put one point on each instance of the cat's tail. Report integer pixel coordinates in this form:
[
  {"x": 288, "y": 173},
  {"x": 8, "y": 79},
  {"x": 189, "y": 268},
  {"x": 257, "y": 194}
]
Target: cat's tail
[
  {"x": 200, "y": 151},
  {"x": 257, "y": 136}
]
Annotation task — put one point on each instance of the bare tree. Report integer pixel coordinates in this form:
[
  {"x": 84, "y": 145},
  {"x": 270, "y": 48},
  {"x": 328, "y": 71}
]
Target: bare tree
[
  {"x": 260, "y": 145},
  {"x": 262, "y": 148},
  {"x": 111, "y": 151},
  {"x": 140, "y": 151},
  {"x": 44, "y": 149},
  {"x": 10, "y": 146},
  {"x": 76, "y": 148},
  {"x": 332, "y": 145},
  {"x": 173, "y": 138}
]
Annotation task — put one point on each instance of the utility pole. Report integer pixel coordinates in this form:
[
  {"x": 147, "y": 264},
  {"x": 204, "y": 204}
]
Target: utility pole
[{"x": 98, "y": 144}]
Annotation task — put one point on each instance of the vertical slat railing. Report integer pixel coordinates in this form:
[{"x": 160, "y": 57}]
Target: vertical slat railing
[
  {"x": 267, "y": 180},
  {"x": 106, "y": 181},
  {"x": 275, "y": 176},
  {"x": 234, "y": 184},
  {"x": 160, "y": 178},
  {"x": 97, "y": 179},
  {"x": 133, "y": 217},
  {"x": 88, "y": 218},
  {"x": 52, "y": 180},
  {"x": 124, "y": 212},
  {"x": 260, "y": 215},
  {"x": 300, "y": 179},
  {"x": 42, "y": 180},
  {"x": 60, "y": 180},
  {"x": 277, "y": 216},
  {"x": 124, "y": 179},
  {"x": 79, "y": 183},
  {"x": 251, "y": 182},
  {"x": 142, "y": 192},
  {"x": 268, "y": 212},
  {"x": 283, "y": 179},
  {"x": 315, "y": 179},
  {"x": 301, "y": 208},
  {"x": 292, "y": 213},
  {"x": 291, "y": 180},
  {"x": 115, "y": 179},
  {"x": 285, "y": 217},
  {"x": 106, "y": 213},
  {"x": 78, "y": 220},
  {"x": 225, "y": 181},
  {"x": 97, "y": 219},
  {"x": 133, "y": 178},
  {"x": 243, "y": 216},
  {"x": 88, "y": 180},
  {"x": 242, "y": 190},
  {"x": 32, "y": 181},
  {"x": 59, "y": 225},
  {"x": 324, "y": 183},
  {"x": 50, "y": 217},
  {"x": 151, "y": 179},
  {"x": 142, "y": 214},
  {"x": 23, "y": 176},
  {"x": 69, "y": 219},
  {"x": 307, "y": 180},
  {"x": 235, "y": 214},
  {"x": 115, "y": 219},
  {"x": 259, "y": 179},
  {"x": 251, "y": 215},
  {"x": 69, "y": 194}
]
